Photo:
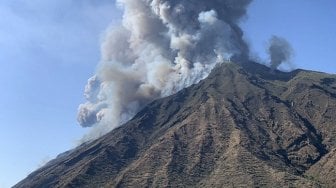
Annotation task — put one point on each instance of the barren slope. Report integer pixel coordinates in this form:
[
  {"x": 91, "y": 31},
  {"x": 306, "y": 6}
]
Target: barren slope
[{"x": 241, "y": 126}]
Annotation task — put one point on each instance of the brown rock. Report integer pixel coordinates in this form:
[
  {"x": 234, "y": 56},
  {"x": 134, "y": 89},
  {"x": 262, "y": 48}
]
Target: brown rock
[{"x": 243, "y": 126}]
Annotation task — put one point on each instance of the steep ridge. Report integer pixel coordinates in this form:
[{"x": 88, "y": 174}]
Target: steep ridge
[{"x": 244, "y": 125}]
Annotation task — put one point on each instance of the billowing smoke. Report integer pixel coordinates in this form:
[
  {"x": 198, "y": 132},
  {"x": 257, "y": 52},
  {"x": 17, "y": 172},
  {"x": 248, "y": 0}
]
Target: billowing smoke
[
  {"x": 280, "y": 51},
  {"x": 161, "y": 47}
]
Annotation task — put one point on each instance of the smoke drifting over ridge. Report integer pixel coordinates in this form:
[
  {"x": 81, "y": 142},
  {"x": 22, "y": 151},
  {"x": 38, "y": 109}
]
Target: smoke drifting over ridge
[
  {"x": 161, "y": 47},
  {"x": 280, "y": 51}
]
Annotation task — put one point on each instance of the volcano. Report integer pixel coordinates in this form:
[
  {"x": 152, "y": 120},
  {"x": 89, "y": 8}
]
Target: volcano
[{"x": 245, "y": 125}]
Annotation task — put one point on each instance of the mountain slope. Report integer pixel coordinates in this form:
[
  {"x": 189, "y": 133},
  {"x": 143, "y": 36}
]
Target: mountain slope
[{"x": 242, "y": 126}]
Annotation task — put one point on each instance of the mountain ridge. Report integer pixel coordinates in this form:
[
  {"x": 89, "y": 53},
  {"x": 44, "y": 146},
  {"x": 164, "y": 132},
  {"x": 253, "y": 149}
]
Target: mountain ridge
[{"x": 244, "y": 125}]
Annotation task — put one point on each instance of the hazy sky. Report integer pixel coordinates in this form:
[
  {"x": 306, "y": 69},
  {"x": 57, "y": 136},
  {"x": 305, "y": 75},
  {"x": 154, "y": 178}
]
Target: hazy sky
[{"x": 48, "y": 50}]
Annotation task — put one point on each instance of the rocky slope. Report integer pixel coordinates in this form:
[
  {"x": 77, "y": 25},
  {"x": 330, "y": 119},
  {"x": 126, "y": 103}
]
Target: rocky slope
[{"x": 243, "y": 126}]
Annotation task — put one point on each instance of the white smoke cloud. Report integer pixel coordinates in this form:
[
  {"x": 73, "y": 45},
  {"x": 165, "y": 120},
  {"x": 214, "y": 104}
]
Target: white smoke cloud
[{"x": 161, "y": 47}]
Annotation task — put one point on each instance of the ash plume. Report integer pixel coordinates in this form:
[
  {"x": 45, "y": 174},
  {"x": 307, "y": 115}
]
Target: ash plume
[
  {"x": 280, "y": 51},
  {"x": 161, "y": 47}
]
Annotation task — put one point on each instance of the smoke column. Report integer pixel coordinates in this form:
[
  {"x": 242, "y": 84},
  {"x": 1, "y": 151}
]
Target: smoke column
[
  {"x": 161, "y": 47},
  {"x": 280, "y": 51}
]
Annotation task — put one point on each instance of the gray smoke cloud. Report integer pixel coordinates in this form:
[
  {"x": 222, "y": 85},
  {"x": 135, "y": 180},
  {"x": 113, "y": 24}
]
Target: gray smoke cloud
[
  {"x": 161, "y": 47},
  {"x": 280, "y": 51}
]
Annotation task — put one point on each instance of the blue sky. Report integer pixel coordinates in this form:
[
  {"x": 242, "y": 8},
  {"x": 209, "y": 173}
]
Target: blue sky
[
  {"x": 308, "y": 25},
  {"x": 48, "y": 50}
]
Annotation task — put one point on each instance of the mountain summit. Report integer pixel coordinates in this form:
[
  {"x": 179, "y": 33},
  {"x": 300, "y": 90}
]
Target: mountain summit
[{"x": 244, "y": 125}]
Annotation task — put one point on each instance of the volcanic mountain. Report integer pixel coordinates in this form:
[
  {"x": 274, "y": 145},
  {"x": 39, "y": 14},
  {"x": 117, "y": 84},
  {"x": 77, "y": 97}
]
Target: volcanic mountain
[{"x": 243, "y": 126}]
